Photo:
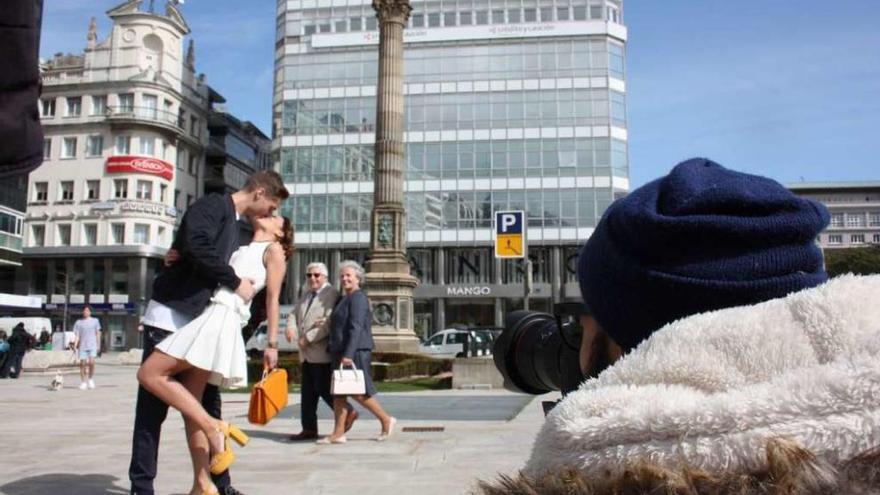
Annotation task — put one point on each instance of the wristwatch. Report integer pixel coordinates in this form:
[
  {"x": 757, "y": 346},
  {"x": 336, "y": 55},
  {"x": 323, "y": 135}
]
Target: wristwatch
[{"x": 271, "y": 345}]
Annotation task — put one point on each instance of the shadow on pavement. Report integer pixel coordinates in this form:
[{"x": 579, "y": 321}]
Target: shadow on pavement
[
  {"x": 66, "y": 483},
  {"x": 266, "y": 435}
]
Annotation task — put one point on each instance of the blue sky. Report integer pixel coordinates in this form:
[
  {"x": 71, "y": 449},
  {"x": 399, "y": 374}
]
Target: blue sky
[{"x": 783, "y": 88}]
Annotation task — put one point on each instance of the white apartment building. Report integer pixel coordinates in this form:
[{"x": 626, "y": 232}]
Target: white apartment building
[
  {"x": 125, "y": 136},
  {"x": 854, "y": 209}
]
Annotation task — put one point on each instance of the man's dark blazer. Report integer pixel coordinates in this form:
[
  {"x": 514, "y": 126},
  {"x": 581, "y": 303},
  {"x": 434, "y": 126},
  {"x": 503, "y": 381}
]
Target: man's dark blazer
[
  {"x": 351, "y": 325},
  {"x": 208, "y": 235}
]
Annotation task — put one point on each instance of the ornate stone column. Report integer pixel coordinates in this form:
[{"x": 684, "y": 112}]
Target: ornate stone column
[{"x": 389, "y": 282}]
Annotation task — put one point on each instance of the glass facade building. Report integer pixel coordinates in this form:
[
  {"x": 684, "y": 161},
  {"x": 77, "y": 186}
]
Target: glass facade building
[{"x": 510, "y": 105}]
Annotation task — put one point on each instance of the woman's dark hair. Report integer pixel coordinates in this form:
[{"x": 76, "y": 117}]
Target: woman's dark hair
[{"x": 286, "y": 239}]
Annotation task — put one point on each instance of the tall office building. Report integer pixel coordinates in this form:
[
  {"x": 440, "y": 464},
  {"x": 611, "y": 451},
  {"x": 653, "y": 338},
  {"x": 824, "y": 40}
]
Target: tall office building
[{"x": 510, "y": 105}]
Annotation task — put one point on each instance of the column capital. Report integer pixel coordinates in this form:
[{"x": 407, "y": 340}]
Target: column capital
[{"x": 392, "y": 10}]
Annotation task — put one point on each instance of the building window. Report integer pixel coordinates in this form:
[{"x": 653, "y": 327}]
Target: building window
[
  {"x": 874, "y": 219},
  {"x": 449, "y": 19},
  {"x": 837, "y": 219},
  {"x": 177, "y": 198},
  {"x": 189, "y": 199},
  {"x": 579, "y": 12},
  {"x": 93, "y": 189},
  {"x": 163, "y": 192},
  {"x": 151, "y": 106},
  {"x": 857, "y": 239},
  {"x": 41, "y": 192},
  {"x": 546, "y": 14},
  {"x": 371, "y": 23},
  {"x": 530, "y": 15},
  {"x": 38, "y": 235},
  {"x": 117, "y": 233},
  {"x": 876, "y": 238},
  {"x": 181, "y": 158},
  {"x": 855, "y": 220},
  {"x": 65, "y": 193},
  {"x": 63, "y": 235},
  {"x": 99, "y": 104},
  {"x": 160, "y": 237},
  {"x": 835, "y": 239},
  {"x": 95, "y": 145},
  {"x": 309, "y": 30},
  {"x": 47, "y": 148},
  {"x": 562, "y": 13},
  {"x": 68, "y": 147},
  {"x": 120, "y": 188},
  {"x": 194, "y": 126},
  {"x": 513, "y": 16},
  {"x": 90, "y": 234},
  {"x": 465, "y": 18},
  {"x": 144, "y": 190},
  {"x": 74, "y": 106},
  {"x": 141, "y": 233},
  {"x": 418, "y": 20},
  {"x": 192, "y": 165},
  {"x": 123, "y": 145},
  {"x": 126, "y": 102},
  {"x": 148, "y": 146},
  {"x": 482, "y": 17},
  {"x": 48, "y": 108}
]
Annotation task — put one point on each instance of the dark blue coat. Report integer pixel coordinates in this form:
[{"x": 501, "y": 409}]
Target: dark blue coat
[
  {"x": 207, "y": 237},
  {"x": 351, "y": 325}
]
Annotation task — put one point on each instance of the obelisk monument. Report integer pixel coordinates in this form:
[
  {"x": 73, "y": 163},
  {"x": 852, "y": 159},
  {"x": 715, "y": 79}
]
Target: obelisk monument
[{"x": 389, "y": 282}]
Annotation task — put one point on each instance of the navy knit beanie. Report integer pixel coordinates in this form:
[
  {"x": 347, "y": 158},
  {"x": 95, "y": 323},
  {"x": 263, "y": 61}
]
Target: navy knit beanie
[{"x": 699, "y": 239}]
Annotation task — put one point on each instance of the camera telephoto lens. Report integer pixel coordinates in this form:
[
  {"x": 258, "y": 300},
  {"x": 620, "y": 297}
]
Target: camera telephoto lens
[{"x": 536, "y": 356}]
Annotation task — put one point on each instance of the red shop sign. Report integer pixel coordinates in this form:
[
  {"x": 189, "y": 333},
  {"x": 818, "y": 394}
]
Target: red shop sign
[{"x": 126, "y": 164}]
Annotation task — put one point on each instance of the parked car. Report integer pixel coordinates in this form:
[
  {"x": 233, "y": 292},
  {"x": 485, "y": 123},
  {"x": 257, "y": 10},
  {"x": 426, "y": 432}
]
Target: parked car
[
  {"x": 449, "y": 343},
  {"x": 257, "y": 343}
]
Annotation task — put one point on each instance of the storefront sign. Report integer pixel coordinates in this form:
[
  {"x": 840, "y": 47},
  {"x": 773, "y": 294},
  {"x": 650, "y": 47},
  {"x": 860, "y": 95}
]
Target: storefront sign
[
  {"x": 128, "y": 164},
  {"x": 486, "y": 32},
  {"x": 458, "y": 291},
  {"x": 150, "y": 208},
  {"x": 103, "y": 205}
]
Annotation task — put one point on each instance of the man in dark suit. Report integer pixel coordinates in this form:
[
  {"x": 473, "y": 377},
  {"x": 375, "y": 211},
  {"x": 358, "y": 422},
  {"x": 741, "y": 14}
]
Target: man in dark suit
[{"x": 207, "y": 237}]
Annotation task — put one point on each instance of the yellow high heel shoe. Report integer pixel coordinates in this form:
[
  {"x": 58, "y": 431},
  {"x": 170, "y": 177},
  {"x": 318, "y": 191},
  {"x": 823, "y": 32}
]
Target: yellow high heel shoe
[{"x": 222, "y": 460}]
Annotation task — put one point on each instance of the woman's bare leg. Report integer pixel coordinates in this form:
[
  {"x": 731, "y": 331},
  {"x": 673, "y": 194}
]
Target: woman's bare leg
[
  {"x": 157, "y": 375},
  {"x": 194, "y": 381},
  {"x": 372, "y": 405},
  {"x": 340, "y": 411}
]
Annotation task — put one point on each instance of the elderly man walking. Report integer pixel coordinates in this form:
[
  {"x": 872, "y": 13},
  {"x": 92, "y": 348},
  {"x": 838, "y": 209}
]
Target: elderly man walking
[{"x": 309, "y": 323}]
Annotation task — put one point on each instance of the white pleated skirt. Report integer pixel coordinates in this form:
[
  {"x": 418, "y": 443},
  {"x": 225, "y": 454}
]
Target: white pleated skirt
[{"x": 212, "y": 342}]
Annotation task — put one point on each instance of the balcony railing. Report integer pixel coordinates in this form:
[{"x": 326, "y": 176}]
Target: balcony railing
[{"x": 144, "y": 114}]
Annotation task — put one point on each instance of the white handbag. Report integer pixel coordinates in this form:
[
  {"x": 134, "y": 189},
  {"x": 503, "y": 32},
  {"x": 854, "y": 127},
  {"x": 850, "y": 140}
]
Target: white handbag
[{"x": 348, "y": 381}]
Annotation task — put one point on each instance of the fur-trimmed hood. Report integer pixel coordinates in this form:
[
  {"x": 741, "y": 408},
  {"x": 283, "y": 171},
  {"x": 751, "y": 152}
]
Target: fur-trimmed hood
[{"x": 710, "y": 392}]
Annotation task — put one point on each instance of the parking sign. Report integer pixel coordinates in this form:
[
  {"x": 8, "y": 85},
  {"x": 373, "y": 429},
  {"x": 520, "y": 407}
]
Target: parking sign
[{"x": 509, "y": 234}]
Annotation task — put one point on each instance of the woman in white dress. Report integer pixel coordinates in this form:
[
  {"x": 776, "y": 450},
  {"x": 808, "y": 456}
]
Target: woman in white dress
[{"x": 211, "y": 349}]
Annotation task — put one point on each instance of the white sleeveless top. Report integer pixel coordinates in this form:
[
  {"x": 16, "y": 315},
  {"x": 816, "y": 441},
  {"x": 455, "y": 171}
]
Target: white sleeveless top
[{"x": 247, "y": 262}]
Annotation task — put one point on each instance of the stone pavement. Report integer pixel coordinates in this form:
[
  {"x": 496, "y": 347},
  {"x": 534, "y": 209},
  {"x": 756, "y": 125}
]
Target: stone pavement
[{"x": 77, "y": 442}]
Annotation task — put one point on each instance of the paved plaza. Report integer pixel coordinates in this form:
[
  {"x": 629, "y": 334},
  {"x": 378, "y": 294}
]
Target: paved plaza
[{"x": 75, "y": 442}]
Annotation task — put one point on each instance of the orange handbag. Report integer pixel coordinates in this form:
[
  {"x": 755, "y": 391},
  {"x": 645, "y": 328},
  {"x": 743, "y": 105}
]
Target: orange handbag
[{"x": 268, "y": 397}]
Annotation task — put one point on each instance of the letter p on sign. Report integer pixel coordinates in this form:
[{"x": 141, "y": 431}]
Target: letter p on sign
[{"x": 509, "y": 234}]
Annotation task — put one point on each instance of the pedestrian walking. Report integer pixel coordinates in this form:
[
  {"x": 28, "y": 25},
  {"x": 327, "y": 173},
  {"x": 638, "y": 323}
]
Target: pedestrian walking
[{"x": 309, "y": 323}]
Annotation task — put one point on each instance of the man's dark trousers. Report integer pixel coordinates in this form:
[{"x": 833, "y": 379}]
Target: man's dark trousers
[
  {"x": 149, "y": 414},
  {"x": 315, "y": 385}
]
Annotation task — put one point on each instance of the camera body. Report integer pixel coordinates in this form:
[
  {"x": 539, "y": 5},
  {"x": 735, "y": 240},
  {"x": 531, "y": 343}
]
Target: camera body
[{"x": 538, "y": 352}]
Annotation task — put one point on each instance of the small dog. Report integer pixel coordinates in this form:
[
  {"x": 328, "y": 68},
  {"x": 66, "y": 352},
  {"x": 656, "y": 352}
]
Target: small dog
[{"x": 57, "y": 382}]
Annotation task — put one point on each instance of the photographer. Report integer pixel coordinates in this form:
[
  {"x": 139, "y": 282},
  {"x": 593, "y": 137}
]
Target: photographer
[{"x": 745, "y": 370}]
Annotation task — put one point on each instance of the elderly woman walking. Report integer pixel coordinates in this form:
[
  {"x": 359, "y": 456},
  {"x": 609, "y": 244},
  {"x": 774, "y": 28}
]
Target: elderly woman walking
[{"x": 351, "y": 343}]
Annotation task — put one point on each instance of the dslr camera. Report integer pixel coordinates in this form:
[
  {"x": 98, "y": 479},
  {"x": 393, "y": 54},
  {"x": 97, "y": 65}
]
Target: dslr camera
[{"x": 538, "y": 352}]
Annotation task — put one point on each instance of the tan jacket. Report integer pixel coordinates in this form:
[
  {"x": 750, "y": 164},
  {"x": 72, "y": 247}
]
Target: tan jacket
[{"x": 307, "y": 324}]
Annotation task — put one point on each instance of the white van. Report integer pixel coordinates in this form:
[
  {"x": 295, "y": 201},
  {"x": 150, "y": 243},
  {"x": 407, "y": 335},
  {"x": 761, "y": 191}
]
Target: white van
[
  {"x": 33, "y": 324},
  {"x": 257, "y": 343}
]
